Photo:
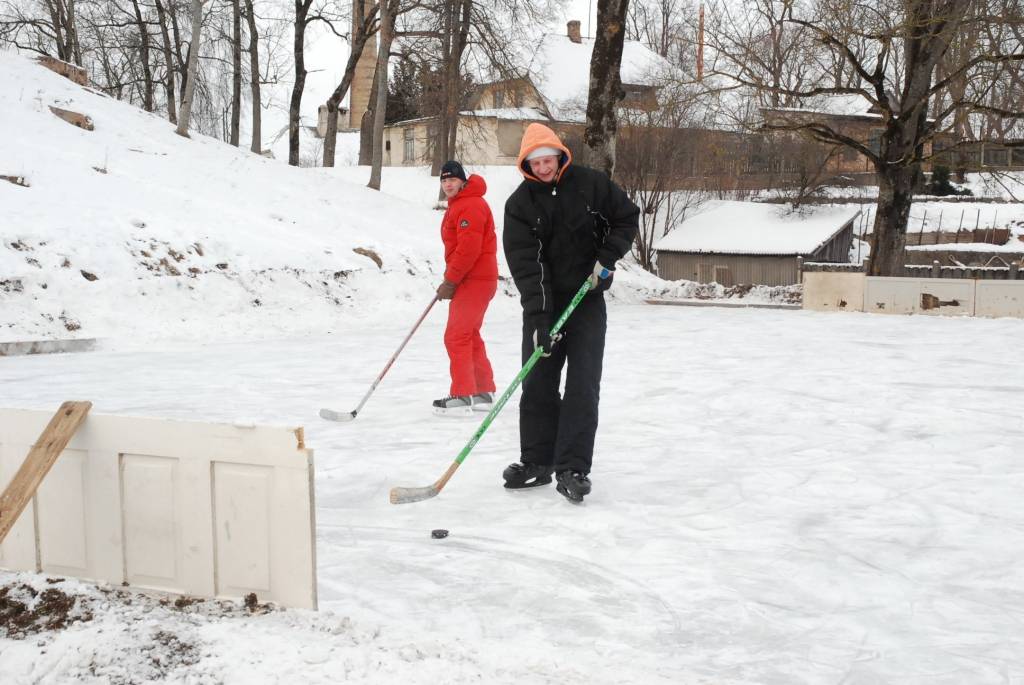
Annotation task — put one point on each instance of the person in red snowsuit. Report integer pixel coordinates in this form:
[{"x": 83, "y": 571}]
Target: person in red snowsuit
[{"x": 470, "y": 281}]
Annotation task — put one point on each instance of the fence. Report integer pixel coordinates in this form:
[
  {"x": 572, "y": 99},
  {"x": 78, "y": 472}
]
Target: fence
[
  {"x": 194, "y": 508},
  {"x": 981, "y": 291}
]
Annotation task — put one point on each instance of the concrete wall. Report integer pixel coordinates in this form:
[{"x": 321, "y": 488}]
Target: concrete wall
[
  {"x": 833, "y": 292},
  {"x": 886, "y": 295},
  {"x": 999, "y": 298},
  {"x": 210, "y": 510},
  {"x": 826, "y": 290}
]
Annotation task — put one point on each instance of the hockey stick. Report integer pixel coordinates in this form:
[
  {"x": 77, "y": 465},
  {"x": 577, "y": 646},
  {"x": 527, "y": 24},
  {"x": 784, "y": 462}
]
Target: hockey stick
[
  {"x": 401, "y": 495},
  {"x": 332, "y": 415}
]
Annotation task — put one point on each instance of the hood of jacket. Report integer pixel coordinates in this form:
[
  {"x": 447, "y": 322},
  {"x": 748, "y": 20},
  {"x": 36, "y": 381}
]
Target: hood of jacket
[{"x": 539, "y": 135}]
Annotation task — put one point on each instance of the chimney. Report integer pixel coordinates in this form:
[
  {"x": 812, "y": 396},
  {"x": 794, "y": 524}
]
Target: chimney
[{"x": 573, "y": 31}]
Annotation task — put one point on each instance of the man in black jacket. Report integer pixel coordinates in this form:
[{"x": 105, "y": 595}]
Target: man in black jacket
[{"x": 564, "y": 224}]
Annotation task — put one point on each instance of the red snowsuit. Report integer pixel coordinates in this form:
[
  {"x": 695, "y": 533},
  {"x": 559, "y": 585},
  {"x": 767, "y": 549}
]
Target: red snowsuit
[{"x": 470, "y": 247}]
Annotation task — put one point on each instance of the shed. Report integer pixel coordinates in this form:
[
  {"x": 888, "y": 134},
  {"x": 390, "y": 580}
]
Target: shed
[{"x": 754, "y": 243}]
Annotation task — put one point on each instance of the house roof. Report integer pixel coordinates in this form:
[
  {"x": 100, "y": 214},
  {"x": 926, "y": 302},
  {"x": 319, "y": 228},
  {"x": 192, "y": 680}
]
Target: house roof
[
  {"x": 518, "y": 113},
  {"x": 729, "y": 227},
  {"x": 560, "y": 70}
]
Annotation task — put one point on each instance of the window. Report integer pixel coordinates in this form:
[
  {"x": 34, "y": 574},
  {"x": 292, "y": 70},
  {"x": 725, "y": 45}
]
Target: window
[
  {"x": 1017, "y": 156},
  {"x": 499, "y": 99},
  {"x": 997, "y": 157},
  {"x": 409, "y": 145},
  {"x": 510, "y": 134}
]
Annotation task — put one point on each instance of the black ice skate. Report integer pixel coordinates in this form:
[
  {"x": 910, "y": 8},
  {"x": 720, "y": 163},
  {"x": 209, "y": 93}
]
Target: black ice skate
[
  {"x": 518, "y": 476},
  {"x": 573, "y": 485},
  {"x": 454, "y": 406}
]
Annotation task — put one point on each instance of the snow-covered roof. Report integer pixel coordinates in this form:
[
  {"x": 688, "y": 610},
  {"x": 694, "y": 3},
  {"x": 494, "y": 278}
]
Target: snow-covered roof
[
  {"x": 560, "y": 69},
  {"x": 527, "y": 113},
  {"x": 729, "y": 227},
  {"x": 846, "y": 105}
]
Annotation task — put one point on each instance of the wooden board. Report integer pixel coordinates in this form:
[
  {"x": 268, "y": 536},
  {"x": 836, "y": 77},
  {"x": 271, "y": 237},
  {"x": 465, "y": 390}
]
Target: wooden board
[{"x": 44, "y": 453}]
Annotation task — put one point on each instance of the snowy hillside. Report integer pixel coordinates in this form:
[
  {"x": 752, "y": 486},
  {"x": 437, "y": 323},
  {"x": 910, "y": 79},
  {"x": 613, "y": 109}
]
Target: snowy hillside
[
  {"x": 194, "y": 237},
  {"x": 198, "y": 239}
]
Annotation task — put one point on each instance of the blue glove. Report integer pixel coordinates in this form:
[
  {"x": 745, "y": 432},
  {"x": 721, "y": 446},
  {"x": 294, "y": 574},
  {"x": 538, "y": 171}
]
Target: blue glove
[{"x": 599, "y": 274}]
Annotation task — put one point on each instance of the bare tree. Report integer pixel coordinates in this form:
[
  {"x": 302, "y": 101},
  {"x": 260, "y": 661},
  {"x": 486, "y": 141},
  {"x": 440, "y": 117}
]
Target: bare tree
[
  {"x": 895, "y": 48},
  {"x": 236, "y": 71},
  {"x": 455, "y": 33},
  {"x": 254, "y": 78},
  {"x": 193, "y": 66},
  {"x": 303, "y": 17},
  {"x": 387, "y": 35},
  {"x": 605, "y": 83},
  {"x": 147, "y": 74},
  {"x": 49, "y": 28},
  {"x": 172, "y": 113},
  {"x": 364, "y": 25}
]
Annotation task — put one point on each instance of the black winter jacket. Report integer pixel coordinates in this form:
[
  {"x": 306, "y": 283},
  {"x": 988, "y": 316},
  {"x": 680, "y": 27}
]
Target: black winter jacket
[{"x": 555, "y": 232}]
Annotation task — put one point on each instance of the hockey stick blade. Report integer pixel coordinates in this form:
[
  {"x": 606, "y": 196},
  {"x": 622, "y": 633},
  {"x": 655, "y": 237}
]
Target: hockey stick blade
[
  {"x": 341, "y": 417},
  {"x": 407, "y": 495}
]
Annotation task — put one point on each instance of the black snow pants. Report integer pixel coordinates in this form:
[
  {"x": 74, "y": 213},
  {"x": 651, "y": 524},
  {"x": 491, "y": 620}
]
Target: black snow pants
[{"x": 558, "y": 430}]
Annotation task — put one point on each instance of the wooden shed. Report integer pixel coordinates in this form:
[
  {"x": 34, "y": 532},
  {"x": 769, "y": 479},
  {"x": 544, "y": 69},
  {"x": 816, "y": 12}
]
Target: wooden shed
[{"x": 754, "y": 243}]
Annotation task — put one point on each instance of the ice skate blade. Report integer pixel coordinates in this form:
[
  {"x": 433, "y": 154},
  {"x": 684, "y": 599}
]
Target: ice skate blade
[
  {"x": 535, "y": 483},
  {"x": 564, "y": 492},
  {"x": 457, "y": 413}
]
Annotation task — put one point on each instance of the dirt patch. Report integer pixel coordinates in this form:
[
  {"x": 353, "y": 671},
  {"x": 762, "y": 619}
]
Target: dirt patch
[
  {"x": 369, "y": 254},
  {"x": 170, "y": 652},
  {"x": 25, "y": 611}
]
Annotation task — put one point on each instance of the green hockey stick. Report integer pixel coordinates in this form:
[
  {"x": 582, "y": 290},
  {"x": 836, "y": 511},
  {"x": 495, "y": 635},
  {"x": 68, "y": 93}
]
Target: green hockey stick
[{"x": 401, "y": 495}]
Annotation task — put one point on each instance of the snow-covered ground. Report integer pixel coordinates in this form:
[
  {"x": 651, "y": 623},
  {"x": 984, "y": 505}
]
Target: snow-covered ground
[{"x": 779, "y": 497}]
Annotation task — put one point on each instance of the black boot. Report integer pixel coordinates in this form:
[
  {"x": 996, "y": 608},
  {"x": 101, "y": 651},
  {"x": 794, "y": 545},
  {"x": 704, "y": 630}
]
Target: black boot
[
  {"x": 573, "y": 485},
  {"x": 519, "y": 476}
]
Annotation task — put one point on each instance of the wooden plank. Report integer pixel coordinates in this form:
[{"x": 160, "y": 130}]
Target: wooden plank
[{"x": 44, "y": 453}]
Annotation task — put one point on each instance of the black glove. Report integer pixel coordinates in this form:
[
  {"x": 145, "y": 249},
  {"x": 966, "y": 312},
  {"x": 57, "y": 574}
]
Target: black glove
[{"x": 540, "y": 329}]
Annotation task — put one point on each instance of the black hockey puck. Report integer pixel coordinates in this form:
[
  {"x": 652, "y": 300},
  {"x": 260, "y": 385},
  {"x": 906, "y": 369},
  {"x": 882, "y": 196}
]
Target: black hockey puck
[{"x": 438, "y": 533}]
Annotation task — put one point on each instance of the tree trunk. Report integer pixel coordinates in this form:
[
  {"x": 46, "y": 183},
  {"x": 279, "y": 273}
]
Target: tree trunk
[
  {"x": 455, "y": 79},
  {"x": 387, "y": 34},
  {"x": 366, "y": 126},
  {"x": 298, "y": 45},
  {"x": 172, "y": 111},
  {"x": 193, "y": 66},
  {"x": 147, "y": 74},
  {"x": 236, "y": 71},
  {"x": 360, "y": 35},
  {"x": 605, "y": 83},
  {"x": 254, "y": 79},
  {"x": 899, "y": 167},
  {"x": 57, "y": 19},
  {"x": 181, "y": 60},
  {"x": 72, "y": 31},
  {"x": 440, "y": 143},
  {"x": 889, "y": 236}
]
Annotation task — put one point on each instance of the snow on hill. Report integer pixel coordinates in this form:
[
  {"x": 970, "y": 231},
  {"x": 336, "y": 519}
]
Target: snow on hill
[{"x": 131, "y": 230}]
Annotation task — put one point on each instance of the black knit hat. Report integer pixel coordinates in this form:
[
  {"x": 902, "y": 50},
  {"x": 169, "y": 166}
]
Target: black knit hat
[{"x": 453, "y": 169}]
